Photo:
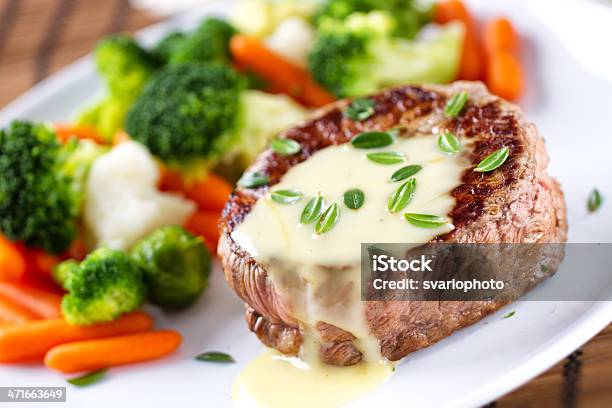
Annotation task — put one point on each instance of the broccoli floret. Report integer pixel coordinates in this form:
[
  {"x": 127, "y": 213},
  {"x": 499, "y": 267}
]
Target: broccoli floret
[
  {"x": 167, "y": 46},
  {"x": 37, "y": 203},
  {"x": 124, "y": 65},
  {"x": 125, "y": 68},
  {"x": 185, "y": 110},
  {"x": 360, "y": 55},
  {"x": 190, "y": 114},
  {"x": 62, "y": 272},
  {"x": 410, "y": 15},
  {"x": 104, "y": 286},
  {"x": 176, "y": 266},
  {"x": 208, "y": 43}
]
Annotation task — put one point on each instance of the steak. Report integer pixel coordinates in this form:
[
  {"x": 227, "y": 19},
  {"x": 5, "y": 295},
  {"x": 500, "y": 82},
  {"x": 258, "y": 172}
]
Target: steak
[{"x": 516, "y": 203}]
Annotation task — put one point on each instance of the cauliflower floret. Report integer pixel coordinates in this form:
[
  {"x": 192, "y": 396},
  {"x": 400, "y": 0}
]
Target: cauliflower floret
[
  {"x": 122, "y": 203},
  {"x": 292, "y": 39},
  {"x": 261, "y": 17}
]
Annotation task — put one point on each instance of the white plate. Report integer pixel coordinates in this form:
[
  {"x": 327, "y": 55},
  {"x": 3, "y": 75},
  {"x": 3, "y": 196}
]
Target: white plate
[{"x": 568, "y": 98}]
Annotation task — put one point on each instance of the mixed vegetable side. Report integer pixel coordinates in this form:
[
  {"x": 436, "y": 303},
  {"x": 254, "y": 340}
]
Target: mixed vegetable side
[{"x": 121, "y": 206}]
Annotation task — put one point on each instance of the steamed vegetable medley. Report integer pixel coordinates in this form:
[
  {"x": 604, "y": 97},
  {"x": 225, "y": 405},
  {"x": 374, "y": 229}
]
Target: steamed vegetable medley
[{"x": 120, "y": 207}]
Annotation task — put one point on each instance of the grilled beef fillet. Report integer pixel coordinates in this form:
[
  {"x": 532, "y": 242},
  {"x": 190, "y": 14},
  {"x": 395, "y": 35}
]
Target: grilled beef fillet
[{"x": 516, "y": 203}]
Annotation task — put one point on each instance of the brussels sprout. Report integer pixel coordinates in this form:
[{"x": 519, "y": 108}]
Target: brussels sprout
[{"x": 176, "y": 266}]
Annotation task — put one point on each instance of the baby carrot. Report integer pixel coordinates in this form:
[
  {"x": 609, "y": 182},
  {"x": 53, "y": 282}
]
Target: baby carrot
[
  {"x": 13, "y": 314},
  {"x": 32, "y": 340},
  {"x": 210, "y": 193},
  {"x": 505, "y": 76},
  {"x": 66, "y": 132},
  {"x": 205, "y": 224},
  {"x": 504, "y": 70},
  {"x": 252, "y": 54},
  {"x": 38, "y": 302},
  {"x": 500, "y": 35},
  {"x": 112, "y": 351},
  {"x": 12, "y": 261},
  {"x": 472, "y": 62}
]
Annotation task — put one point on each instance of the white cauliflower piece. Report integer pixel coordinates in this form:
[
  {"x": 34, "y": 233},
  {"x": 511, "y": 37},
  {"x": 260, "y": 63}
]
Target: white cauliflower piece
[
  {"x": 261, "y": 17},
  {"x": 122, "y": 202},
  {"x": 293, "y": 39}
]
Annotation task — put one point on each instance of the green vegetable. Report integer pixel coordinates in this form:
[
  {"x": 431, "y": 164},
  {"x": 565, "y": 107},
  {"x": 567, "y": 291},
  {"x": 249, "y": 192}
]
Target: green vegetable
[
  {"x": 208, "y": 43},
  {"x": 41, "y": 185},
  {"x": 409, "y": 15},
  {"x": 386, "y": 157},
  {"x": 509, "y": 315},
  {"x": 360, "y": 109},
  {"x": 125, "y": 68},
  {"x": 104, "y": 286},
  {"x": 194, "y": 115},
  {"x": 360, "y": 55},
  {"x": 493, "y": 161},
  {"x": 402, "y": 196},
  {"x": 215, "y": 357},
  {"x": 286, "y": 196},
  {"x": 455, "y": 104},
  {"x": 372, "y": 140},
  {"x": 89, "y": 378},
  {"x": 62, "y": 272},
  {"x": 313, "y": 210},
  {"x": 176, "y": 266},
  {"x": 354, "y": 199},
  {"x": 595, "y": 200},
  {"x": 406, "y": 172},
  {"x": 425, "y": 220},
  {"x": 286, "y": 147},
  {"x": 448, "y": 143},
  {"x": 167, "y": 46},
  {"x": 253, "y": 180},
  {"x": 328, "y": 220}
]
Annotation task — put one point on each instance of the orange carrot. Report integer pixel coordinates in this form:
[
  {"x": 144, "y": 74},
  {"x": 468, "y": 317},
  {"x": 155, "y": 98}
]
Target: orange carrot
[
  {"x": 505, "y": 76},
  {"x": 32, "y": 340},
  {"x": 66, "y": 132},
  {"x": 472, "y": 62},
  {"x": 250, "y": 53},
  {"x": 13, "y": 314},
  {"x": 504, "y": 70},
  {"x": 12, "y": 262},
  {"x": 205, "y": 224},
  {"x": 112, "y": 351},
  {"x": 499, "y": 35},
  {"x": 120, "y": 137},
  {"x": 40, "y": 303},
  {"x": 210, "y": 194}
]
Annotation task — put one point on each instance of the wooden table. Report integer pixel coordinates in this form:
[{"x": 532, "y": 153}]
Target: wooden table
[{"x": 39, "y": 37}]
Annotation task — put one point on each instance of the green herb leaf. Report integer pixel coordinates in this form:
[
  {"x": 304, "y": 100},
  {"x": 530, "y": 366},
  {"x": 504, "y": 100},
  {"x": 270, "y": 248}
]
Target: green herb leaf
[
  {"x": 286, "y": 147},
  {"x": 509, "y": 315},
  {"x": 286, "y": 196},
  {"x": 253, "y": 180},
  {"x": 89, "y": 378},
  {"x": 360, "y": 109},
  {"x": 354, "y": 199},
  {"x": 328, "y": 220},
  {"x": 312, "y": 211},
  {"x": 493, "y": 161},
  {"x": 425, "y": 220},
  {"x": 595, "y": 200},
  {"x": 386, "y": 157},
  {"x": 455, "y": 104},
  {"x": 402, "y": 196},
  {"x": 372, "y": 140},
  {"x": 406, "y": 172},
  {"x": 448, "y": 143},
  {"x": 215, "y": 357}
]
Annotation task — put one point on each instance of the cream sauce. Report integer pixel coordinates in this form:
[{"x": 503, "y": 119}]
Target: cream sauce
[
  {"x": 276, "y": 381},
  {"x": 300, "y": 262}
]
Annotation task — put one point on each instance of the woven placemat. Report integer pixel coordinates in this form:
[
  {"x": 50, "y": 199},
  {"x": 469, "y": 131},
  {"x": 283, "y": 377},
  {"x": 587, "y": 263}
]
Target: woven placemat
[{"x": 39, "y": 37}]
